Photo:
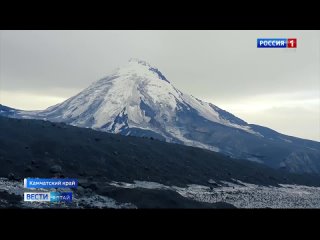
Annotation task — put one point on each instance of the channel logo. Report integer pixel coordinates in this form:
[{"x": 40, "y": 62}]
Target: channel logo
[
  {"x": 48, "y": 196},
  {"x": 37, "y": 197},
  {"x": 276, "y": 43}
]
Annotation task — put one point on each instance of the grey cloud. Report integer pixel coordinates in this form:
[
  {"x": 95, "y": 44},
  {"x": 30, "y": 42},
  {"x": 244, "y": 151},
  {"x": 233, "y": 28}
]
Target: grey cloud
[{"x": 224, "y": 66}]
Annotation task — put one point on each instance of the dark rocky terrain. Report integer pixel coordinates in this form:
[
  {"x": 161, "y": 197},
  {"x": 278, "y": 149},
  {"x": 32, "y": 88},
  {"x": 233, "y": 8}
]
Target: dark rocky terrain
[{"x": 36, "y": 148}]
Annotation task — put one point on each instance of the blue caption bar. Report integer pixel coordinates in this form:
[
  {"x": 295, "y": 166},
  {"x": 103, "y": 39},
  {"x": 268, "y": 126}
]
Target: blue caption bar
[
  {"x": 50, "y": 183},
  {"x": 272, "y": 42}
]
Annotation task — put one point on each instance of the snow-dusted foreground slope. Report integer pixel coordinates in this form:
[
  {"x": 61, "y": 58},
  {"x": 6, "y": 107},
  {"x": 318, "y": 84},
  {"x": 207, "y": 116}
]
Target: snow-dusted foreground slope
[
  {"x": 108, "y": 167},
  {"x": 243, "y": 195},
  {"x": 139, "y": 100},
  {"x": 239, "y": 194}
]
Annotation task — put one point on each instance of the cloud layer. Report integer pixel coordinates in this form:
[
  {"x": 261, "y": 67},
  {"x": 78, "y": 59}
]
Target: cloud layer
[{"x": 278, "y": 88}]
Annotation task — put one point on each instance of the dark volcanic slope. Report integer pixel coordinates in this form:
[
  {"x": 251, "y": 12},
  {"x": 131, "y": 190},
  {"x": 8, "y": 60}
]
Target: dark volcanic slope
[{"x": 34, "y": 148}]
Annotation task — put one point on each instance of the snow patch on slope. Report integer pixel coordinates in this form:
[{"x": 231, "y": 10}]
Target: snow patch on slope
[{"x": 241, "y": 194}]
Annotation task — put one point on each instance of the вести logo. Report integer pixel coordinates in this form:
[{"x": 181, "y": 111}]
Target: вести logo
[{"x": 48, "y": 196}]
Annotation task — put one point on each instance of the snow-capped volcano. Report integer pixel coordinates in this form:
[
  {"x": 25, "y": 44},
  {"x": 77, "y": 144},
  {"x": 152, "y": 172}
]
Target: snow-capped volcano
[{"x": 139, "y": 100}]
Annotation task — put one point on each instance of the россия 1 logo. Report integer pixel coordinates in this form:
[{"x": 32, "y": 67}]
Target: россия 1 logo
[{"x": 276, "y": 43}]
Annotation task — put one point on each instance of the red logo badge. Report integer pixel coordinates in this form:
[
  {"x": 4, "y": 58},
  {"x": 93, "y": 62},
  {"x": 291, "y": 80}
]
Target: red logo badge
[{"x": 292, "y": 43}]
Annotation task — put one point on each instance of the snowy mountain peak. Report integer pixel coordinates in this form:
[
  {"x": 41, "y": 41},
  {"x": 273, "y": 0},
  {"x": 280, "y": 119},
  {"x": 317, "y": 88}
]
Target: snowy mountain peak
[
  {"x": 141, "y": 68},
  {"x": 137, "y": 99},
  {"x": 139, "y": 61}
]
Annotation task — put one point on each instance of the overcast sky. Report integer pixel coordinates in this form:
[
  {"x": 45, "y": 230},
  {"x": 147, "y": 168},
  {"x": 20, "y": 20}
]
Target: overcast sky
[{"x": 277, "y": 88}]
